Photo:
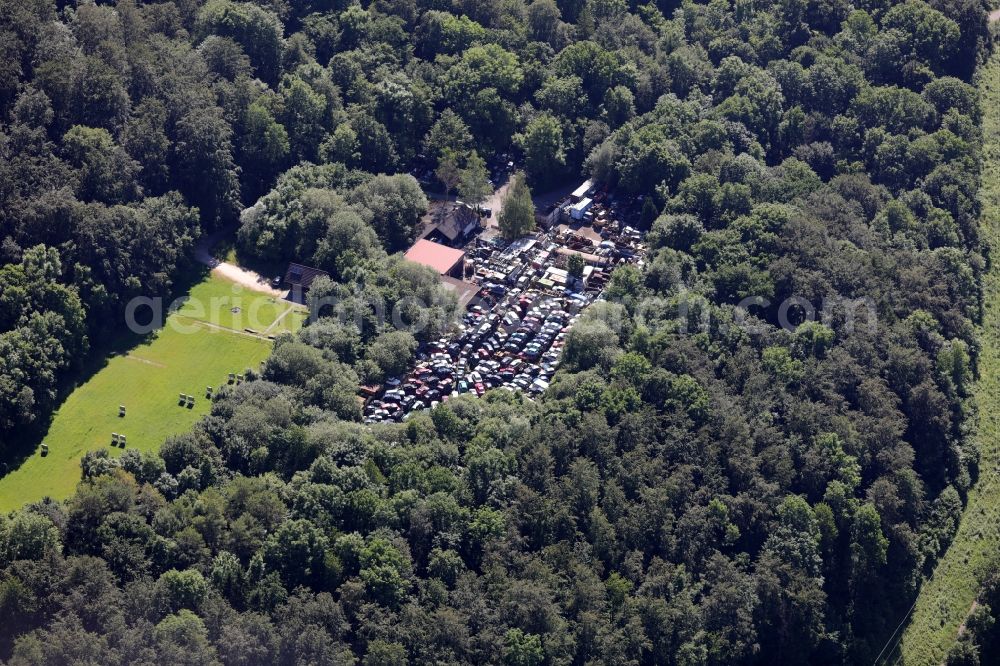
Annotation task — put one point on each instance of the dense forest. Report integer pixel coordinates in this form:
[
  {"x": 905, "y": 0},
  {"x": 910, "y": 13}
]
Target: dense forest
[{"x": 688, "y": 491}]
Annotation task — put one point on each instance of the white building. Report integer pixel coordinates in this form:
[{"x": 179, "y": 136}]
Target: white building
[
  {"x": 580, "y": 208},
  {"x": 581, "y": 192}
]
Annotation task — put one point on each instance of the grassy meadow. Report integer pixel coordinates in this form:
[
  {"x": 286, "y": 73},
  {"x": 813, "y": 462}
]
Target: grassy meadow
[
  {"x": 219, "y": 302},
  {"x": 200, "y": 344}
]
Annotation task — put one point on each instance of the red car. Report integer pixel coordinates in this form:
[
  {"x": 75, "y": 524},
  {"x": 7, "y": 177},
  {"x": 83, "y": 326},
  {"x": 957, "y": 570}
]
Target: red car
[{"x": 480, "y": 389}]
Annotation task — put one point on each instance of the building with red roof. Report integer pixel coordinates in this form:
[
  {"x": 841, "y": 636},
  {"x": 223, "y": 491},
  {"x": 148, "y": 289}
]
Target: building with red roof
[{"x": 443, "y": 259}]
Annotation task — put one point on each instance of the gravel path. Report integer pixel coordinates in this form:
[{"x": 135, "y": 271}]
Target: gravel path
[{"x": 232, "y": 272}]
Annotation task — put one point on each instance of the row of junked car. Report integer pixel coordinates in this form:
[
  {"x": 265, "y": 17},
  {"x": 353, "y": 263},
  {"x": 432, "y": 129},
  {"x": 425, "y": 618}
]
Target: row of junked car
[{"x": 514, "y": 345}]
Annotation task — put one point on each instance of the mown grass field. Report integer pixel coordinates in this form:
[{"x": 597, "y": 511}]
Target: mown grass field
[
  {"x": 223, "y": 303},
  {"x": 946, "y": 599},
  {"x": 291, "y": 323},
  {"x": 184, "y": 356}
]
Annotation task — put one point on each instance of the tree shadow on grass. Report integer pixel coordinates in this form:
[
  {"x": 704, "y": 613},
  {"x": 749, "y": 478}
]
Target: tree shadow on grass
[
  {"x": 104, "y": 345},
  {"x": 269, "y": 269}
]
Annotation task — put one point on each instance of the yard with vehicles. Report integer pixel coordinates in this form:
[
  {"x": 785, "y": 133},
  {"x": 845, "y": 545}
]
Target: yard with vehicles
[
  {"x": 517, "y": 351},
  {"x": 512, "y": 334}
]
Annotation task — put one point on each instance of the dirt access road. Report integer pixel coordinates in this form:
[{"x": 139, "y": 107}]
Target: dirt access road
[
  {"x": 232, "y": 272},
  {"x": 542, "y": 202},
  {"x": 495, "y": 204}
]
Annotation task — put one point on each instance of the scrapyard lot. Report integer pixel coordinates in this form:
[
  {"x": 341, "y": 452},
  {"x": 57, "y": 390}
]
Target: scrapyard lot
[{"x": 512, "y": 335}]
